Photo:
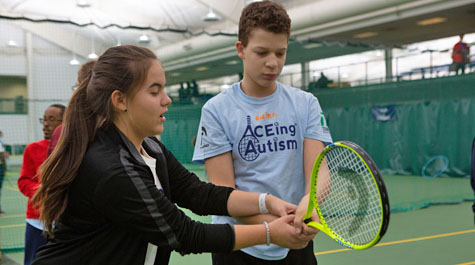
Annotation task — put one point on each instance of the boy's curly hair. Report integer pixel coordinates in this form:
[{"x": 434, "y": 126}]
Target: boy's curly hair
[{"x": 267, "y": 15}]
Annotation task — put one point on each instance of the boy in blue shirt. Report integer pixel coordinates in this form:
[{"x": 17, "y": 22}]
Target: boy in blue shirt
[{"x": 260, "y": 135}]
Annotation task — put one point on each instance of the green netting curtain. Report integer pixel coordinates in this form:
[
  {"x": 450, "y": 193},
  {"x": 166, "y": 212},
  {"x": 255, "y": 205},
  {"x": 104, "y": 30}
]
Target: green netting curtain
[{"x": 422, "y": 130}]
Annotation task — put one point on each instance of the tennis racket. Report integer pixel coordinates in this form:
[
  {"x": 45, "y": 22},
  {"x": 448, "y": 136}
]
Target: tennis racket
[
  {"x": 349, "y": 196},
  {"x": 435, "y": 166}
]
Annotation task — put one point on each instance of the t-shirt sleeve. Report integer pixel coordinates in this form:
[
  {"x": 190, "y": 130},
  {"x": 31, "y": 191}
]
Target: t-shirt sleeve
[
  {"x": 211, "y": 139},
  {"x": 317, "y": 127}
]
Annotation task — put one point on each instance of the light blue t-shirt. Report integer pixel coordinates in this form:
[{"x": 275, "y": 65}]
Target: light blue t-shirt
[{"x": 266, "y": 138}]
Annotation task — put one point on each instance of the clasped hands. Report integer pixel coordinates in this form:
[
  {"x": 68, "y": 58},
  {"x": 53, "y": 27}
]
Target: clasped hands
[{"x": 288, "y": 229}]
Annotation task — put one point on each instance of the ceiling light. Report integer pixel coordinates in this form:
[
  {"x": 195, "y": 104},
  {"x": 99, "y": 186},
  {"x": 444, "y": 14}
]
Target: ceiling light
[
  {"x": 74, "y": 61},
  {"x": 232, "y": 62},
  {"x": 252, "y": 1},
  {"x": 225, "y": 86},
  {"x": 431, "y": 21},
  {"x": 144, "y": 38},
  {"x": 92, "y": 56},
  {"x": 201, "y": 68},
  {"x": 364, "y": 35},
  {"x": 12, "y": 43},
  {"x": 83, "y": 3},
  {"x": 175, "y": 74},
  {"x": 312, "y": 45},
  {"x": 211, "y": 16}
]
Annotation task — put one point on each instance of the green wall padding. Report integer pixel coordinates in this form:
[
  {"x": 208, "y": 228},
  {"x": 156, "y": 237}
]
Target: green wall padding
[
  {"x": 434, "y": 117},
  {"x": 180, "y": 128},
  {"x": 421, "y": 131}
]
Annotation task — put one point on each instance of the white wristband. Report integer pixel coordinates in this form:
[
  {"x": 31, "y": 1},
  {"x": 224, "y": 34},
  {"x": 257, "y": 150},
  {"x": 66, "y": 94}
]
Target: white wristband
[
  {"x": 267, "y": 233},
  {"x": 262, "y": 203}
]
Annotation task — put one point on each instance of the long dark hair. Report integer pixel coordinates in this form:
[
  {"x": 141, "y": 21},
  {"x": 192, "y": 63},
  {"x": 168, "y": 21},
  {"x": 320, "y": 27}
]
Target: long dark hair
[
  {"x": 85, "y": 70},
  {"x": 122, "y": 68}
]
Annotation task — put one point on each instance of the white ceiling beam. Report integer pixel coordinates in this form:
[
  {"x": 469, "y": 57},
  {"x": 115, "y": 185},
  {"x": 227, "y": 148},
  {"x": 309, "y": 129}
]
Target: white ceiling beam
[
  {"x": 3, "y": 7},
  {"x": 64, "y": 38}
]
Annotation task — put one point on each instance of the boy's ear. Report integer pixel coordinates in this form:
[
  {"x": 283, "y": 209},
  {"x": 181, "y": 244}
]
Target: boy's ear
[
  {"x": 240, "y": 49},
  {"x": 119, "y": 100}
]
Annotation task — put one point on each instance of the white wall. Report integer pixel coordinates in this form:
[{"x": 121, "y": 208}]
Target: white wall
[{"x": 51, "y": 80}]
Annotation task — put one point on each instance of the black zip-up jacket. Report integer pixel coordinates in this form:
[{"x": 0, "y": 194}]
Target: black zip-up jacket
[{"x": 115, "y": 209}]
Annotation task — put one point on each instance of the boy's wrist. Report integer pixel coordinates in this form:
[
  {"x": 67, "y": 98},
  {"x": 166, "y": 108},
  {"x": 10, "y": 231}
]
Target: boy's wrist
[{"x": 263, "y": 203}]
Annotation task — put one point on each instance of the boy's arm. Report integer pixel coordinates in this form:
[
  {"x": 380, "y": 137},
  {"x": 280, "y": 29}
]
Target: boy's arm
[
  {"x": 311, "y": 149},
  {"x": 220, "y": 170}
]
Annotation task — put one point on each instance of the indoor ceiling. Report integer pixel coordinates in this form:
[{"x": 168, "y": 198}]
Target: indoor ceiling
[
  {"x": 453, "y": 21},
  {"x": 373, "y": 30},
  {"x": 193, "y": 49}
]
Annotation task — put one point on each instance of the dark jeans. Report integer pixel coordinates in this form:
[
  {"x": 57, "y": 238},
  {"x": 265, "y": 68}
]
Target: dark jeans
[
  {"x": 303, "y": 256},
  {"x": 33, "y": 240},
  {"x": 459, "y": 66}
]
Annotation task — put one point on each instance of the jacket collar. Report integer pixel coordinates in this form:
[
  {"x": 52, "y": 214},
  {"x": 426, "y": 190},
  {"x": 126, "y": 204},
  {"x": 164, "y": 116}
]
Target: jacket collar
[
  {"x": 151, "y": 147},
  {"x": 117, "y": 136}
]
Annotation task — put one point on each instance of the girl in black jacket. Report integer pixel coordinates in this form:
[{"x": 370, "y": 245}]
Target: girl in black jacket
[{"x": 111, "y": 191}]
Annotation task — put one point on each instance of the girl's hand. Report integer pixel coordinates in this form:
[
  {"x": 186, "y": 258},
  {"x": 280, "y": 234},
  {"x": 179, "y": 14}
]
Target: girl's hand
[{"x": 283, "y": 233}]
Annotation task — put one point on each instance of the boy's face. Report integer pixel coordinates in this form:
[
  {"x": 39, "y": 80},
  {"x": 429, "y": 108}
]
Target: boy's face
[{"x": 263, "y": 57}]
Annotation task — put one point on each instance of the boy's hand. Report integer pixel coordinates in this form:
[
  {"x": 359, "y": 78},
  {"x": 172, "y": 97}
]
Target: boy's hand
[{"x": 279, "y": 207}]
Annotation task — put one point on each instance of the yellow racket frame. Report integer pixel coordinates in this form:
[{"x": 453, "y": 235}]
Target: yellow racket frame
[{"x": 313, "y": 203}]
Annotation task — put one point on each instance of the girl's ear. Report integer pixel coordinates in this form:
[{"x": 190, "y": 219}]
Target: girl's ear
[{"x": 119, "y": 100}]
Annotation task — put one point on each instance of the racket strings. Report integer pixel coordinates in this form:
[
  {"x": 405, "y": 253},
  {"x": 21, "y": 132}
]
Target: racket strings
[{"x": 349, "y": 201}]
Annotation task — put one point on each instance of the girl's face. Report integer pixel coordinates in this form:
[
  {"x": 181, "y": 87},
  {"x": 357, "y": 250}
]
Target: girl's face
[{"x": 146, "y": 108}]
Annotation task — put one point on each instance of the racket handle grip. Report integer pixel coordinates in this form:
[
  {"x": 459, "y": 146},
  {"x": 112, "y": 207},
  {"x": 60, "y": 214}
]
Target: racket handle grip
[{"x": 312, "y": 223}]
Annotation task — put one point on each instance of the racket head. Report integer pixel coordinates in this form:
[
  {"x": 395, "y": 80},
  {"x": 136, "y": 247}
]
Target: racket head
[
  {"x": 352, "y": 203},
  {"x": 435, "y": 166}
]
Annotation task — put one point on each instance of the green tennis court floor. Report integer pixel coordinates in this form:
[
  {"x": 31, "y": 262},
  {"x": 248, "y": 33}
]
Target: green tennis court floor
[{"x": 443, "y": 234}]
